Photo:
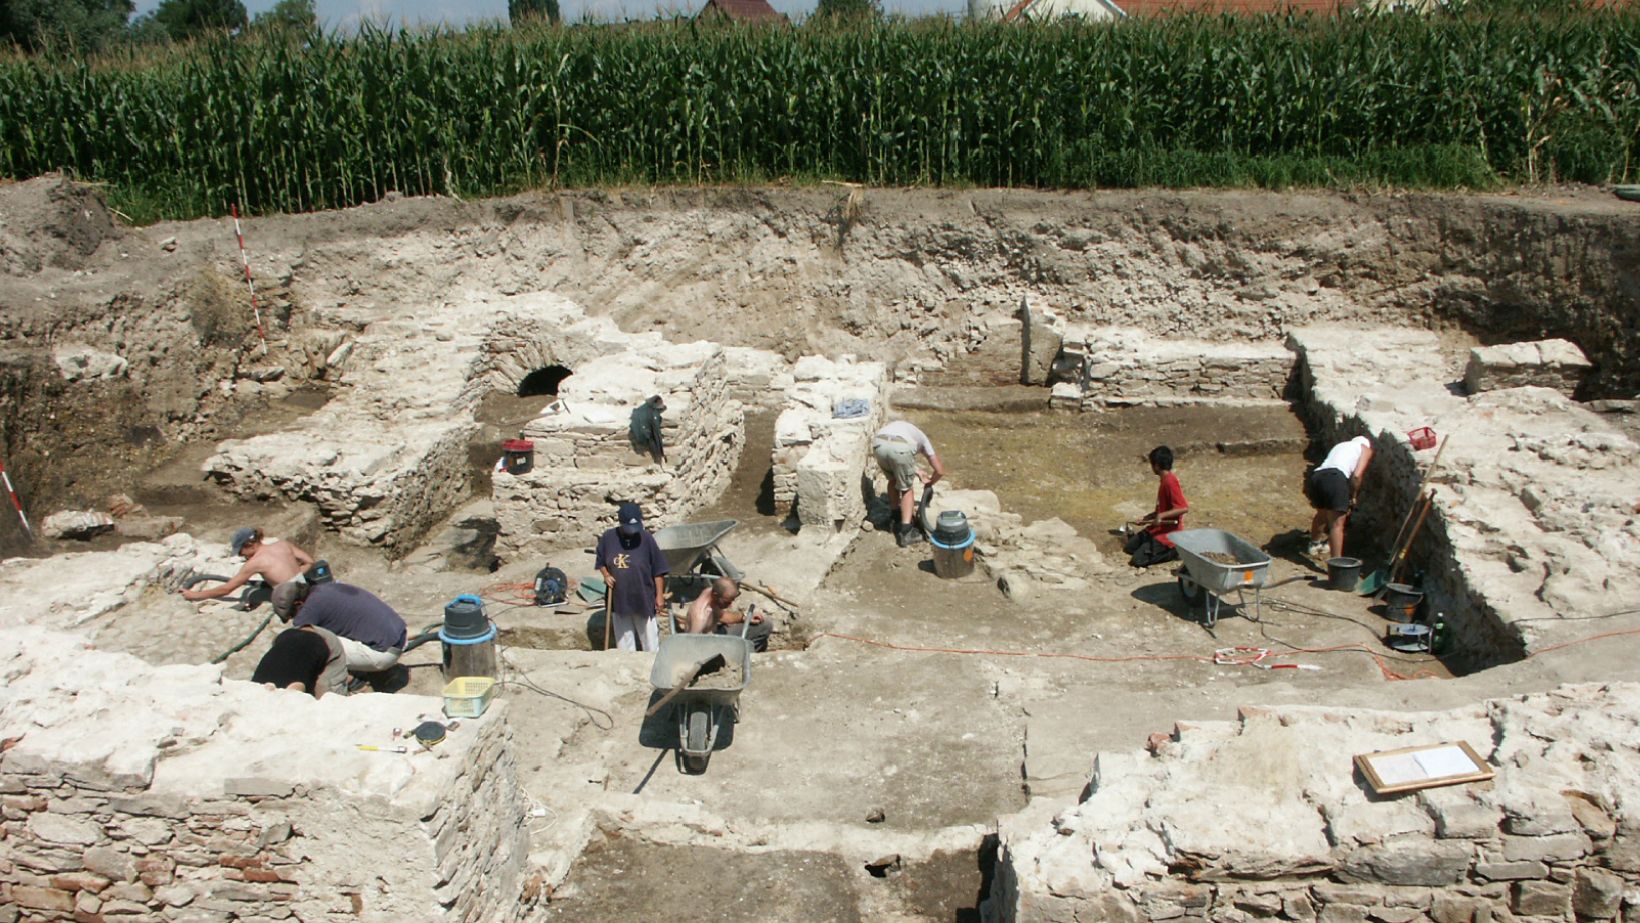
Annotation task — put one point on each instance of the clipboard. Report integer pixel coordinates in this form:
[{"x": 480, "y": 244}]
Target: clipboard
[{"x": 1428, "y": 766}]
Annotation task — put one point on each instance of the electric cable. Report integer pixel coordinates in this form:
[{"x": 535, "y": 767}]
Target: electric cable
[{"x": 593, "y": 712}]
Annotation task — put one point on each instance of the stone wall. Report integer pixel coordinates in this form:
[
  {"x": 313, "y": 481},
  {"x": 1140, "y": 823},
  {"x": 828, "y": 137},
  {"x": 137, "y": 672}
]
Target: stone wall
[
  {"x": 1266, "y": 818},
  {"x": 386, "y": 457},
  {"x": 996, "y": 348},
  {"x": 138, "y": 794},
  {"x": 1556, "y": 364},
  {"x": 819, "y": 459},
  {"x": 585, "y": 463},
  {"x": 758, "y": 378},
  {"x": 1118, "y": 366},
  {"x": 1532, "y": 528}
]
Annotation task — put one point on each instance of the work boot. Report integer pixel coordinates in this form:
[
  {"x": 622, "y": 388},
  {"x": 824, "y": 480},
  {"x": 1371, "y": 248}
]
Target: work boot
[
  {"x": 899, "y": 534},
  {"x": 913, "y": 536}
]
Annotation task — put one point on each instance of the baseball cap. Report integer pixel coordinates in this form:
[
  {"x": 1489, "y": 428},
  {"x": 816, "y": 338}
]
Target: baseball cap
[
  {"x": 240, "y": 537},
  {"x": 630, "y": 518},
  {"x": 285, "y": 597}
]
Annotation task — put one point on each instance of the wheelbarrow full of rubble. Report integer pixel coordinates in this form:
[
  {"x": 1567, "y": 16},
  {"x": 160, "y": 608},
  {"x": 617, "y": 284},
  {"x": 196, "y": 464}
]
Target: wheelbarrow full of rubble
[
  {"x": 1216, "y": 562},
  {"x": 693, "y": 545},
  {"x": 701, "y": 676}
]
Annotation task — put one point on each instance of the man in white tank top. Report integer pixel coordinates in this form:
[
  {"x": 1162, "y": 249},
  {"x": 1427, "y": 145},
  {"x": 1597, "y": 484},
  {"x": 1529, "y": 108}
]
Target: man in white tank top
[{"x": 1333, "y": 488}]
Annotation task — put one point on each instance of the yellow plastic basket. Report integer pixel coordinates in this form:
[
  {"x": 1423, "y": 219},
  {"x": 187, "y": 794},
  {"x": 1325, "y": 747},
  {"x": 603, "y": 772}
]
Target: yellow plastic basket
[{"x": 468, "y": 696}]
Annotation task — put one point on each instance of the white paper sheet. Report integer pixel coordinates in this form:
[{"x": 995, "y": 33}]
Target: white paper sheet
[
  {"x": 1399, "y": 769},
  {"x": 1445, "y": 761}
]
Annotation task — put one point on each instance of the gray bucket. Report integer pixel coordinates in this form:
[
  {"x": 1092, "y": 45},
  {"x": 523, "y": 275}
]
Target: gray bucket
[{"x": 1344, "y": 573}]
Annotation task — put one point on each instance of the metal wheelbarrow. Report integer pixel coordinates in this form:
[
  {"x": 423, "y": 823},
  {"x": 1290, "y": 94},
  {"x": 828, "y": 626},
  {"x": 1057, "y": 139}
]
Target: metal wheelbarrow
[
  {"x": 690, "y": 545},
  {"x": 1210, "y": 580},
  {"x": 700, "y": 709}
]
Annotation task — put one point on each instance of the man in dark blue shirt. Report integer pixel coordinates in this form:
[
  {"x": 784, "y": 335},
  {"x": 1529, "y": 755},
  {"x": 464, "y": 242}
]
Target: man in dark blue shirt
[
  {"x": 372, "y": 634},
  {"x": 634, "y": 572}
]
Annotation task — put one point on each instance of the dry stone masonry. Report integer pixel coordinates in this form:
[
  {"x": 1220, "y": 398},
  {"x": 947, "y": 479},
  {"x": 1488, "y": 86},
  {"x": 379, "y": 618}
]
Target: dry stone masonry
[
  {"x": 383, "y": 460},
  {"x": 585, "y": 463},
  {"x": 1266, "y": 818},
  {"x": 167, "y": 794},
  {"x": 820, "y": 453},
  {"x": 1556, "y": 364},
  {"x": 1533, "y": 521},
  {"x": 1119, "y": 366}
]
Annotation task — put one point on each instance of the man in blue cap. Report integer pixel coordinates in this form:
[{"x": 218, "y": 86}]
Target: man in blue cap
[
  {"x": 275, "y": 562},
  {"x": 634, "y": 572}
]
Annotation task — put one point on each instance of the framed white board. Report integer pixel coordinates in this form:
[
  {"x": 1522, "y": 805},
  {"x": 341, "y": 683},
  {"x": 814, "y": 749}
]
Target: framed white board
[{"x": 1411, "y": 768}]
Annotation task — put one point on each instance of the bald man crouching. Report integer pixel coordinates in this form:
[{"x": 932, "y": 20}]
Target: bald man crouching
[{"x": 710, "y": 614}]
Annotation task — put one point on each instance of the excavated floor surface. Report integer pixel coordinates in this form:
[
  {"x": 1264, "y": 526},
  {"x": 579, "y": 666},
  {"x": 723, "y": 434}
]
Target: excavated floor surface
[{"x": 943, "y": 704}]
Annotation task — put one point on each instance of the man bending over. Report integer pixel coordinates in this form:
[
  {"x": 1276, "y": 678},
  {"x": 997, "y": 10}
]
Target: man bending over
[
  {"x": 275, "y": 562},
  {"x": 371, "y": 633}
]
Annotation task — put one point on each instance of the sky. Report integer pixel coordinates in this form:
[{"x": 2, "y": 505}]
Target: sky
[{"x": 345, "y": 15}]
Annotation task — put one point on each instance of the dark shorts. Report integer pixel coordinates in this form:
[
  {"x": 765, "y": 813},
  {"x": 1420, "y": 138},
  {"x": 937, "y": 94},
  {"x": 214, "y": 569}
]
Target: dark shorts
[{"x": 1329, "y": 489}]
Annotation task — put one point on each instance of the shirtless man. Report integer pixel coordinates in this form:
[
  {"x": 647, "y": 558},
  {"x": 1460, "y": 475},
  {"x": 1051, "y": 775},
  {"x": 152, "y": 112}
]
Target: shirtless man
[
  {"x": 274, "y": 562},
  {"x": 710, "y": 610}
]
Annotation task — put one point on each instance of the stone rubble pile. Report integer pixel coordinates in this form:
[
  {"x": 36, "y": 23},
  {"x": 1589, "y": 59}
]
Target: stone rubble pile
[
  {"x": 1019, "y": 557},
  {"x": 1102, "y": 367},
  {"x": 585, "y": 462},
  {"x": 1533, "y": 520},
  {"x": 820, "y": 459},
  {"x": 1266, "y": 818},
  {"x": 1556, "y": 364},
  {"x": 145, "y": 794}
]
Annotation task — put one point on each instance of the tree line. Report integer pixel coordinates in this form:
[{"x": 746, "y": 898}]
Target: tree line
[{"x": 99, "y": 25}]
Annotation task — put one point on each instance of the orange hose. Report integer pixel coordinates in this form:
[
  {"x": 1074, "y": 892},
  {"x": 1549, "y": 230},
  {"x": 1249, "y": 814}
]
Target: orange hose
[{"x": 519, "y": 594}]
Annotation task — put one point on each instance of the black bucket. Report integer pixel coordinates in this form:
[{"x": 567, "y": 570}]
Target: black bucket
[
  {"x": 1344, "y": 573},
  {"x": 1401, "y": 601}
]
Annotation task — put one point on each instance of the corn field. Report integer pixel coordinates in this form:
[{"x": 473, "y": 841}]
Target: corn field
[{"x": 294, "y": 125}]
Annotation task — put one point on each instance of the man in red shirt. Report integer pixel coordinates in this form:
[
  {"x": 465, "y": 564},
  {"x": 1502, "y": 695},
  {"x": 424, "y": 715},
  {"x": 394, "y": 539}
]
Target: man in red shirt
[{"x": 1151, "y": 545}]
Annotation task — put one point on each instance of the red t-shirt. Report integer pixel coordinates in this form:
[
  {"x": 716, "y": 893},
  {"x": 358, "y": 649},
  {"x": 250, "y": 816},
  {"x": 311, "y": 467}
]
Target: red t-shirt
[{"x": 1169, "y": 496}]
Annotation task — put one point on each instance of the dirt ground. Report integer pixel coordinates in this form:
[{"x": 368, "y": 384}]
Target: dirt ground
[{"x": 942, "y": 704}]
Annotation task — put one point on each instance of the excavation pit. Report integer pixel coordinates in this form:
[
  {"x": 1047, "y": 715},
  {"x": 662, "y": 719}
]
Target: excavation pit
[{"x": 952, "y": 707}]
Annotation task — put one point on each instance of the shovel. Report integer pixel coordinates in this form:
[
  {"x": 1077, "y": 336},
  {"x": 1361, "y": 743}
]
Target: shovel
[
  {"x": 1375, "y": 581},
  {"x": 1403, "y": 541}
]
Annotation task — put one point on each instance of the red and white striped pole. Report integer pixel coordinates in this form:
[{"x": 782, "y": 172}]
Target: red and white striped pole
[
  {"x": 237, "y": 232},
  {"x": 14, "y": 501}
]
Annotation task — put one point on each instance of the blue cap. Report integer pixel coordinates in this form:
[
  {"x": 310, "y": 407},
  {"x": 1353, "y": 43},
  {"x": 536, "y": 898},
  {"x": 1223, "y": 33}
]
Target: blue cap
[
  {"x": 630, "y": 518},
  {"x": 240, "y": 538}
]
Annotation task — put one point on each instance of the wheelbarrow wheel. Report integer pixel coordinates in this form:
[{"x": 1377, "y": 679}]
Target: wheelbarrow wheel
[
  {"x": 1189, "y": 589},
  {"x": 695, "y": 740}
]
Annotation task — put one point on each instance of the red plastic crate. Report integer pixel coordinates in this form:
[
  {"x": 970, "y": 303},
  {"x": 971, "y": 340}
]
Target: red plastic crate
[{"x": 1422, "y": 438}]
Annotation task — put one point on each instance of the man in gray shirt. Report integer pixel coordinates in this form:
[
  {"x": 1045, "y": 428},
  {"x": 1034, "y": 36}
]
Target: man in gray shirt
[{"x": 896, "y": 447}]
